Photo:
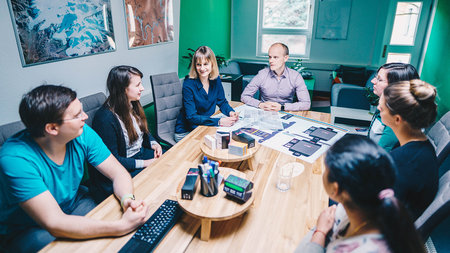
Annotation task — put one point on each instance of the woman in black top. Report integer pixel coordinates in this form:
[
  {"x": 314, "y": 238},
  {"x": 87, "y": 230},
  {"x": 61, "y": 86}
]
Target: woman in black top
[
  {"x": 122, "y": 125},
  {"x": 407, "y": 107}
]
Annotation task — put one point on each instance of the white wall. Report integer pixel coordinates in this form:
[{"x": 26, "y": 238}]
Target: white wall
[{"x": 86, "y": 75}]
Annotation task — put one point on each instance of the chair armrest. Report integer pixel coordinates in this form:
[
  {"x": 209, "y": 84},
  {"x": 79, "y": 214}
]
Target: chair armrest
[{"x": 438, "y": 210}]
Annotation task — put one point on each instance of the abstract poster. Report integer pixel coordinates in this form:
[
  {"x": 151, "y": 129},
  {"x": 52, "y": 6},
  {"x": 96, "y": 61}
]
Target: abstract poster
[
  {"x": 49, "y": 30},
  {"x": 149, "y": 22}
]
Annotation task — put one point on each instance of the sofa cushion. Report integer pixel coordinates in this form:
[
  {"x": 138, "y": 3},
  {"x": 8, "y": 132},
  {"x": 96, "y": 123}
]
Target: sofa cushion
[
  {"x": 231, "y": 68},
  {"x": 249, "y": 68},
  {"x": 353, "y": 75}
]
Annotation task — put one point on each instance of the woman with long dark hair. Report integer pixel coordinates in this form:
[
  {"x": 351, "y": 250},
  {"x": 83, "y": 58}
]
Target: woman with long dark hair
[
  {"x": 387, "y": 74},
  {"x": 360, "y": 175},
  {"x": 122, "y": 125},
  {"x": 407, "y": 107}
]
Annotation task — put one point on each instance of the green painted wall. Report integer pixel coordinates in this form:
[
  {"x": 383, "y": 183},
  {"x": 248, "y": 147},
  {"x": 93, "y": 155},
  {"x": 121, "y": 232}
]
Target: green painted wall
[
  {"x": 436, "y": 65},
  {"x": 204, "y": 22}
]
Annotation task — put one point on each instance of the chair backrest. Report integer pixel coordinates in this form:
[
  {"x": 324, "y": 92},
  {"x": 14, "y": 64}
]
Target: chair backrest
[
  {"x": 439, "y": 136},
  {"x": 91, "y": 104},
  {"x": 7, "y": 130},
  {"x": 439, "y": 209},
  {"x": 167, "y": 96}
]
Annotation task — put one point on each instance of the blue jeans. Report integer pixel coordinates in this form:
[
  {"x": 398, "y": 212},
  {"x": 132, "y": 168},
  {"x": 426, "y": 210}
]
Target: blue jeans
[
  {"x": 178, "y": 136},
  {"x": 35, "y": 238},
  {"x": 101, "y": 187},
  {"x": 144, "y": 154}
]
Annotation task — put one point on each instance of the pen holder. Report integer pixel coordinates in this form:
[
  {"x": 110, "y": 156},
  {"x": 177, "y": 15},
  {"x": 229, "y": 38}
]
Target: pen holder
[{"x": 208, "y": 189}]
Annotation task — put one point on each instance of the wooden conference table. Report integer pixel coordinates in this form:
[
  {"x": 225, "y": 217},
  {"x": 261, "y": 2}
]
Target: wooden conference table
[{"x": 276, "y": 222}]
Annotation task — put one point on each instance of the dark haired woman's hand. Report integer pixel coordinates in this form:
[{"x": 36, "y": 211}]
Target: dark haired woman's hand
[
  {"x": 324, "y": 224},
  {"x": 158, "y": 150},
  {"x": 326, "y": 219}
]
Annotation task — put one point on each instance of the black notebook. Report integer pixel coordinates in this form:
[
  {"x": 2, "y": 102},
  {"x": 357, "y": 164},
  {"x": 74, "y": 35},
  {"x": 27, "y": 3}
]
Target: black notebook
[{"x": 305, "y": 148}]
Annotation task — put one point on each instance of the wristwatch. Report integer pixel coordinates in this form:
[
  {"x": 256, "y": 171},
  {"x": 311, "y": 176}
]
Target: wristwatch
[
  {"x": 125, "y": 197},
  {"x": 282, "y": 107}
]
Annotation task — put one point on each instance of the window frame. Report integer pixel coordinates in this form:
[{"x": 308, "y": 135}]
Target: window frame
[{"x": 285, "y": 31}]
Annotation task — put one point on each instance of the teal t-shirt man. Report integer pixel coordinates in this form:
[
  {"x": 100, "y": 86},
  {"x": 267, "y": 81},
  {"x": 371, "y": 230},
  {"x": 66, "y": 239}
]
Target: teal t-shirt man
[
  {"x": 27, "y": 172},
  {"x": 40, "y": 173}
]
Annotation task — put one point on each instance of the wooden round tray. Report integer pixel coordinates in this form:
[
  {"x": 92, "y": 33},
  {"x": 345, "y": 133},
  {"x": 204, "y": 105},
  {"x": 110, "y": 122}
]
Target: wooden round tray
[
  {"x": 224, "y": 156},
  {"x": 215, "y": 208}
]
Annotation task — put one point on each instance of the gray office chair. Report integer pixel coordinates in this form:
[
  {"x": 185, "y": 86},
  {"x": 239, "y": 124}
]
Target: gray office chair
[
  {"x": 167, "y": 96},
  {"x": 7, "y": 130},
  {"x": 439, "y": 136},
  {"x": 439, "y": 209},
  {"x": 91, "y": 104}
]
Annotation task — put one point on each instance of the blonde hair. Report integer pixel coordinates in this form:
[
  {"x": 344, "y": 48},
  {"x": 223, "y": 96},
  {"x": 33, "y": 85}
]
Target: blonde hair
[
  {"x": 413, "y": 100},
  {"x": 204, "y": 53}
]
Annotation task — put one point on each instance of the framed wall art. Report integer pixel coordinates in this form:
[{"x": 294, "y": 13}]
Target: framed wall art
[
  {"x": 333, "y": 19},
  {"x": 48, "y": 30},
  {"x": 149, "y": 22}
]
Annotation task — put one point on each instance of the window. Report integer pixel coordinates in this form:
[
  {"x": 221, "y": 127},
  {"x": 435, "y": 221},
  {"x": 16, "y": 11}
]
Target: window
[
  {"x": 406, "y": 27},
  {"x": 286, "y": 21},
  {"x": 405, "y": 23}
]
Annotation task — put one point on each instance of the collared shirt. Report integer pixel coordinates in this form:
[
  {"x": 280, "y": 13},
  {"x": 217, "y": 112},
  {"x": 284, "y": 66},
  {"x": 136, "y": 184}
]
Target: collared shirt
[
  {"x": 199, "y": 106},
  {"x": 278, "y": 89}
]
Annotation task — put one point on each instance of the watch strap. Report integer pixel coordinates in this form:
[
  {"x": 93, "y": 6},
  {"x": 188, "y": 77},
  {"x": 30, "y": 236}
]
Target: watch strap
[{"x": 125, "y": 197}]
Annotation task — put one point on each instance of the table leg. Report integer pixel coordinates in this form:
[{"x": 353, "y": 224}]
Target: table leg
[
  {"x": 251, "y": 163},
  {"x": 205, "y": 230}
]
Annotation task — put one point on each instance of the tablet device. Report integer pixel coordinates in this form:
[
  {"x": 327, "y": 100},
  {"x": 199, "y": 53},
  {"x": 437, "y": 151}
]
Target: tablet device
[
  {"x": 323, "y": 134},
  {"x": 305, "y": 148}
]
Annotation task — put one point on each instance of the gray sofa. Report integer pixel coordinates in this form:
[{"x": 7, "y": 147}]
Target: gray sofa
[
  {"x": 351, "y": 93},
  {"x": 247, "y": 69}
]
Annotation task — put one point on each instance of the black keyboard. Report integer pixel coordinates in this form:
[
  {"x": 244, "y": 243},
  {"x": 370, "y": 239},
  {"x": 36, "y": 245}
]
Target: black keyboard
[{"x": 153, "y": 231}]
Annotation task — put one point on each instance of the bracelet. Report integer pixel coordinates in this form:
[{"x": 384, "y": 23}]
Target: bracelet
[
  {"x": 125, "y": 197},
  {"x": 318, "y": 231}
]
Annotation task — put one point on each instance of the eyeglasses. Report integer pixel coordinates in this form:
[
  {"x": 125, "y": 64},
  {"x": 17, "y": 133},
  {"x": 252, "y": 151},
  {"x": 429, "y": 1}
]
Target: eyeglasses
[
  {"x": 378, "y": 79},
  {"x": 78, "y": 116}
]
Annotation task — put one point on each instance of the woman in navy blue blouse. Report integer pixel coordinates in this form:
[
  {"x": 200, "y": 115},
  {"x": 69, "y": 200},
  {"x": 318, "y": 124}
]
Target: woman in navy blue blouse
[{"x": 202, "y": 91}]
